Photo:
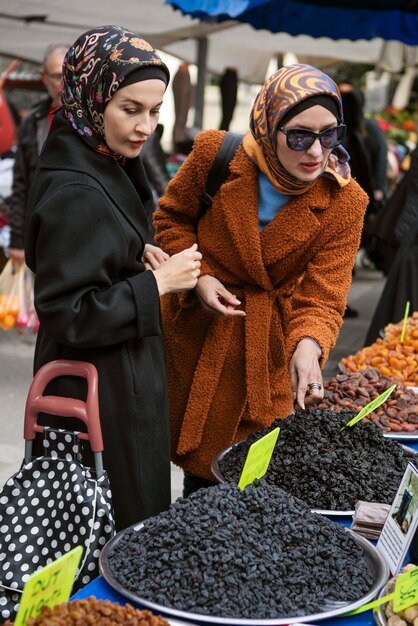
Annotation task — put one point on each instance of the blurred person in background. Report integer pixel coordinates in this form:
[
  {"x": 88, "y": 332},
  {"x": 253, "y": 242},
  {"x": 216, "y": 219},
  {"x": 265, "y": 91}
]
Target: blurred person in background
[
  {"x": 32, "y": 134},
  {"x": 355, "y": 144},
  {"x": 228, "y": 85},
  {"x": 182, "y": 93},
  {"x": 155, "y": 162},
  {"x": 375, "y": 144},
  {"x": 359, "y": 162},
  {"x": 368, "y": 148},
  {"x": 377, "y": 150},
  {"x": 397, "y": 244}
]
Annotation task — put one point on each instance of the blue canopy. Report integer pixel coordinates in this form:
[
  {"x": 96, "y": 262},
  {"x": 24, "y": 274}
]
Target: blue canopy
[{"x": 337, "y": 19}]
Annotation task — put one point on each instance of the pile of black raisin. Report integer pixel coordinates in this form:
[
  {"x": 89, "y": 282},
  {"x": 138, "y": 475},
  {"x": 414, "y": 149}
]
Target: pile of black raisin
[
  {"x": 258, "y": 553},
  {"x": 327, "y": 468}
]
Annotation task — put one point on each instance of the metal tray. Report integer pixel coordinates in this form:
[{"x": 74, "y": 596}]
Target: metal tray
[
  {"x": 343, "y": 370},
  {"x": 402, "y": 436},
  {"x": 375, "y": 562},
  {"x": 379, "y": 613},
  {"x": 327, "y": 512}
]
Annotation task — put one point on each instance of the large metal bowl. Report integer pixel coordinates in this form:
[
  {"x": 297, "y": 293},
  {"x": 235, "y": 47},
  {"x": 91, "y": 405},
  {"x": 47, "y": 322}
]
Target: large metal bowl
[
  {"x": 376, "y": 564},
  {"x": 379, "y": 612},
  {"x": 220, "y": 478},
  {"x": 327, "y": 512}
]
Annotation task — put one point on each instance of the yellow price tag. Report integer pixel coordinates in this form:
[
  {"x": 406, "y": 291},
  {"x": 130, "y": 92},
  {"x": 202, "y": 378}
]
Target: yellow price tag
[
  {"x": 370, "y": 407},
  {"x": 406, "y": 590},
  {"x": 405, "y": 319},
  {"x": 50, "y": 586},
  {"x": 258, "y": 458}
]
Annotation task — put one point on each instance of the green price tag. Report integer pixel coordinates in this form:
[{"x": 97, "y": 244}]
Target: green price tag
[
  {"x": 406, "y": 590},
  {"x": 370, "y": 407},
  {"x": 370, "y": 605},
  {"x": 405, "y": 319},
  {"x": 258, "y": 458},
  {"x": 51, "y": 585}
]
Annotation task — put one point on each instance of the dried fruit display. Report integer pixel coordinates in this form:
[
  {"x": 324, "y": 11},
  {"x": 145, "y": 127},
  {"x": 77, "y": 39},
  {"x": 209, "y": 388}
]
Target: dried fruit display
[
  {"x": 353, "y": 390},
  {"x": 392, "y": 331},
  {"x": 258, "y": 553},
  {"x": 392, "y": 358},
  {"x": 91, "y": 611},
  {"x": 326, "y": 467},
  {"x": 386, "y": 614}
]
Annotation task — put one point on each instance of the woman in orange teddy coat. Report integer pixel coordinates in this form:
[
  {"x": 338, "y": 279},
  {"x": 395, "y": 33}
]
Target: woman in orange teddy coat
[{"x": 278, "y": 246}]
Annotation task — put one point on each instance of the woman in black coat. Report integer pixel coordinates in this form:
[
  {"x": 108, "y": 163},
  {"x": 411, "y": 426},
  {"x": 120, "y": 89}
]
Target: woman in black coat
[
  {"x": 397, "y": 243},
  {"x": 88, "y": 242}
]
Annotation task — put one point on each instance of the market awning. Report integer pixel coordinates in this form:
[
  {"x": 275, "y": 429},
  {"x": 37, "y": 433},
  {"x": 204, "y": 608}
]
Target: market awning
[
  {"x": 338, "y": 19},
  {"x": 28, "y": 26}
]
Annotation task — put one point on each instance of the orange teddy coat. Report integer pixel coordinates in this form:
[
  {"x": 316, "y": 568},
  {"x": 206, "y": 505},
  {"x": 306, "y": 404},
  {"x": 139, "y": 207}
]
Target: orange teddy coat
[{"x": 228, "y": 377}]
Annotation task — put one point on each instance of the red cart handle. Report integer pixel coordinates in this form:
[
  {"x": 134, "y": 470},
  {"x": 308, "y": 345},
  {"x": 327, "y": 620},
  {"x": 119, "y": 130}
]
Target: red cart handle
[{"x": 87, "y": 412}]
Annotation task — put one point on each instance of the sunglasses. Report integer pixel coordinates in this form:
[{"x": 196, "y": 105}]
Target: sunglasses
[{"x": 300, "y": 139}]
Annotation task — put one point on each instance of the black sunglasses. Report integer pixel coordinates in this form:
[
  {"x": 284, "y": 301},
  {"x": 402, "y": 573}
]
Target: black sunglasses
[{"x": 300, "y": 139}]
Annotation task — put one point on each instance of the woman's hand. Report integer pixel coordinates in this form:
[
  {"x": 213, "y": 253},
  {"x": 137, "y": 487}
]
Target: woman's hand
[
  {"x": 177, "y": 273},
  {"x": 216, "y": 299},
  {"x": 155, "y": 254},
  {"x": 17, "y": 255},
  {"x": 304, "y": 369}
]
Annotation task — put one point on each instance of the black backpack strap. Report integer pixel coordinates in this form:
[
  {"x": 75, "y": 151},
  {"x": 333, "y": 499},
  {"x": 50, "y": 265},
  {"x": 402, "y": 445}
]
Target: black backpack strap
[{"x": 219, "y": 171}]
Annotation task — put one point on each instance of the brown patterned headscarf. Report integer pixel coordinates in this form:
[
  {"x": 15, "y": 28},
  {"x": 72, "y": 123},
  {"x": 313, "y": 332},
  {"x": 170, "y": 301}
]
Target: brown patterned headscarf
[
  {"x": 285, "y": 89},
  {"x": 95, "y": 66}
]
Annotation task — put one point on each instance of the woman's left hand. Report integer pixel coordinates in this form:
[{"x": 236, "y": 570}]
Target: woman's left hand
[
  {"x": 304, "y": 369},
  {"x": 153, "y": 257}
]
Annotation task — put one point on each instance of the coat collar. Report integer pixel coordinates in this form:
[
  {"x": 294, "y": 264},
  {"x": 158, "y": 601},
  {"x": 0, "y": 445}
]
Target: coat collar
[
  {"x": 292, "y": 229},
  {"x": 127, "y": 186}
]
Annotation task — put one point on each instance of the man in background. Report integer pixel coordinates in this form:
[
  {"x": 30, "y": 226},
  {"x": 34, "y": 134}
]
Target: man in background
[
  {"x": 228, "y": 85},
  {"x": 32, "y": 134},
  {"x": 182, "y": 92}
]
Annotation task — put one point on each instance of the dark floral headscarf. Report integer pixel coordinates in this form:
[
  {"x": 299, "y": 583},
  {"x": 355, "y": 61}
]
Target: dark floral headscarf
[
  {"x": 95, "y": 66},
  {"x": 280, "y": 93}
]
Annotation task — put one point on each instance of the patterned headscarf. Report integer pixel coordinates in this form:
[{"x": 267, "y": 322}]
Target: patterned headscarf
[
  {"x": 280, "y": 93},
  {"x": 95, "y": 66}
]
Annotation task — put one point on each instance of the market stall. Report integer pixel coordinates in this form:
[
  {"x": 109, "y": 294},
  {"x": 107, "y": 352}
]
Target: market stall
[
  {"x": 386, "y": 442},
  {"x": 108, "y": 587},
  {"x": 284, "y": 545}
]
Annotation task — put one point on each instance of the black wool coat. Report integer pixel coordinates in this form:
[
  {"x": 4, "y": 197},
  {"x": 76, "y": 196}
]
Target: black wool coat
[{"x": 88, "y": 222}]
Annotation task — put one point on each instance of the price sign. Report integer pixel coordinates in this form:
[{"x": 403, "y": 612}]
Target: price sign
[
  {"x": 370, "y": 407},
  {"x": 404, "y": 595},
  {"x": 406, "y": 590},
  {"x": 371, "y": 605},
  {"x": 50, "y": 586},
  {"x": 258, "y": 458},
  {"x": 405, "y": 319}
]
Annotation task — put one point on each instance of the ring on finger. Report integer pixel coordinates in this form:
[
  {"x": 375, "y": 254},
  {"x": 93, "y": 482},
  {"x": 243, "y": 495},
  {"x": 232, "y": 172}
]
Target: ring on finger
[{"x": 314, "y": 385}]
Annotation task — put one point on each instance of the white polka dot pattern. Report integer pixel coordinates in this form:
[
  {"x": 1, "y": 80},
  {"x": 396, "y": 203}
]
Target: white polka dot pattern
[{"x": 48, "y": 507}]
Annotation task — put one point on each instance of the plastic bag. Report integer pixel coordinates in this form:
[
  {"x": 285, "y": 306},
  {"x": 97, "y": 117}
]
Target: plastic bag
[
  {"x": 9, "y": 294},
  {"x": 27, "y": 319}
]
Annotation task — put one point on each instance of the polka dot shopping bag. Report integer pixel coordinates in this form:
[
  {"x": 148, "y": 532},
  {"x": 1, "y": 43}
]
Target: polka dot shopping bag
[{"x": 54, "y": 502}]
